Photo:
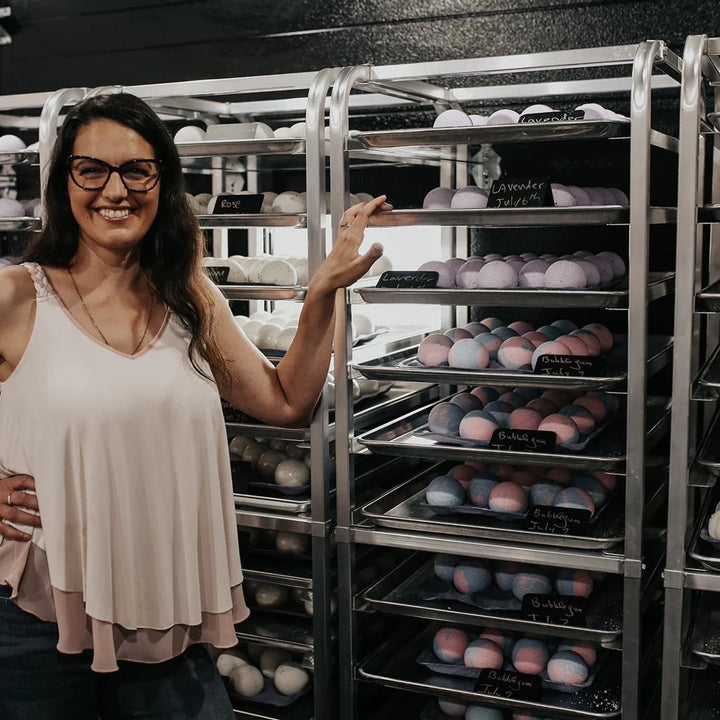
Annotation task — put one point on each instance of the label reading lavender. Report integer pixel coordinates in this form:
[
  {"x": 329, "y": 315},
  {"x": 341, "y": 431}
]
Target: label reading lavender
[
  {"x": 554, "y": 116},
  {"x": 508, "y": 684},
  {"x": 557, "y": 521},
  {"x": 519, "y": 193},
  {"x": 523, "y": 440},
  {"x": 554, "y": 609},
  {"x": 217, "y": 273},
  {"x": 408, "y": 279},
  {"x": 238, "y": 204},
  {"x": 569, "y": 366}
]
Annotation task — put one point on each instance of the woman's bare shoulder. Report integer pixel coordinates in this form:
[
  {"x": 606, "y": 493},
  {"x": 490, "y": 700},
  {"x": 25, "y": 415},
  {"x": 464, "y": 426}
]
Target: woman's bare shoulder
[{"x": 16, "y": 289}]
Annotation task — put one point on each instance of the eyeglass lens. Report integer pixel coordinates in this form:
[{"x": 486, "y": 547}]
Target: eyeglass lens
[{"x": 93, "y": 174}]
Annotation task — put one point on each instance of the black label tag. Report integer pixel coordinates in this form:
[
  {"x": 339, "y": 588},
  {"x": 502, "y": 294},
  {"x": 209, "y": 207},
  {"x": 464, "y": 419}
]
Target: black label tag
[
  {"x": 238, "y": 204},
  {"x": 508, "y": 684},
  {"x": 555, "y": 116},
  {"x": 217, "y": 273},
  {"x": 520, "y": 193},
  {"x": 240, "y": 472},
  {"x": 554, "y": 609},
  {"x": 570, "y": 366},
  {"x": 557, "y": 521},
  {"x": 523, "y": 440},
  {"x": 408, "y": 279}
]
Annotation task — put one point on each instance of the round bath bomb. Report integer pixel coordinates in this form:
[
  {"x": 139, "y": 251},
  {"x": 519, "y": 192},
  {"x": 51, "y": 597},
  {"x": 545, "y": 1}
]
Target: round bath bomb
[
  {"x": 592, "y": 486},
  {"x": 479, "y": 119},
  {"x": 268, "y": 462},
  {"x": 564, "y": 324},
  {"x": 564, "y": 274},
  {"x": 524, "y": 478},
  {"x": 587, "y": 651},
  {"x": 492, "y": 256},
  {"x": 566, "y": 431},
  {"x": 479, "y": 490},
  {"x": 463, "y": 473},
  {"x": 485, "y": 394},
  {"x": 593, "y": 111},
  {"x": 609, "y": 481},
  {"x": 541, "y": 405},
  {"x": 576, "y": 498},
  {"x": 603, "y": 267},
  {"x": 516, "y": 353},
  {"x": 290, "y": 678},
  {"x": 531, "y": 581},
  {"x": 468, "y": 355},
  {"x": 466, "y": 276},
  {"x": 503, "y": 117},
  {"x": 470, "y": 197},
  {"x": 521, "y": 327},
  {"x": 562, "y": 197},
  {"x": 568, "y": 668},
  {"x": 502, "y": 472},
  {"x": 451, "y": 708},
  {"x": 11, "y": 208},
  {"x": 543, "y": 493},
  {"x": 581, "y": 197},
  {"x": 482, "y": 653},
  {"x": 607, "y": 197},
  {"x": 620, "y": 197},
  {"x": 490, "y": 342},
  {"x": 434, "y": 349},
  {"x": 458, "y": 333},
  {"x": 268, "y": 595},
  {"x": 467, "y": 401},
  {"x": 228, "y": 660},
  {"x": 444, "y": 566},
  {"x": 285, "y": 337},
  {"x": 289, "y": 202},
  {"x": 591, "y": 342},
  {"x": 578, "y": 583},
  {"x": 591, "y": 272},
  {"x": 594, "y": 405},
  {"x": 504, "y": 333},
  {"x": 189, "y": 133},
  {"x": 444, "y": 491},
  {"x": 471, "y": 576},
  {"x": 537, "y": 108},
  {"x": 446, "y": 277},
  {"x": 514, "y": 399},
  {"x": 559, "y": 475},
  {"x": 574, "y": 344},
  {"x": 497, "y": 274},
  {"x": 501, "y": 638},
  {"x": 270, "y": 658},
  {"x": 492, "y": 323},
  {"x": 501, "y": 411},
  {"x": 536, "y": 338},
  {"x": 291, "y": 542},
  {"x": 582, "y": 418},
  {"x": 247, "y": 681},
  {"x": 449, "y": 645},
  {"x": 292, "y": 473},
  {"x": 505, "y": 572},
  {"x": 610, "y": 401},
  {"x": 438, "y": 198},
  {"x": 516, "y": 263},
  {"x": 552, "y": 332},
  {"x": 530, "y": 656},
  {"x": 508, "y": 497},
  {"x": 452, "y": 118},
  {"x": 476, "y": 712},
  {"x": 476, "y": 328},
  {"x": 444, "y": 418},
  {"x": 551, "y": 347},
  {"x": 602, "y": 334},
  {"x": 478, "y": 425},
  {"x": 525, "y": 418},
  {"x": 532, "y": 274},
  {"x": 454, "y": 264}
]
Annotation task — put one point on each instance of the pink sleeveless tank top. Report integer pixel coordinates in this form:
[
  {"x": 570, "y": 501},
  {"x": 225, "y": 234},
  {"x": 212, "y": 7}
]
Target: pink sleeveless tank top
[{"x": 138, "y": 554}]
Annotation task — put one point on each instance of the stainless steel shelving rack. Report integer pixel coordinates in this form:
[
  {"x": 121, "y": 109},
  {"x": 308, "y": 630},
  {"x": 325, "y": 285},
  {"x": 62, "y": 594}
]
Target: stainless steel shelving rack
[
  {"x": 434, "y": 84},
  {"x": 692, "y": 574}
]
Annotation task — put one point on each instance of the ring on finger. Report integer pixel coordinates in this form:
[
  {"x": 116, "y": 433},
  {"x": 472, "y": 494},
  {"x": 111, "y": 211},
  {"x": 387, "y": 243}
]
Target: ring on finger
[
  {"x": 9, "y": 499},
  {"x": 345, "y": 224}
]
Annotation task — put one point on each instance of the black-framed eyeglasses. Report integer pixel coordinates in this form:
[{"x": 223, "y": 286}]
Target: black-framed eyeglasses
[{"x": 89, "y": 173}]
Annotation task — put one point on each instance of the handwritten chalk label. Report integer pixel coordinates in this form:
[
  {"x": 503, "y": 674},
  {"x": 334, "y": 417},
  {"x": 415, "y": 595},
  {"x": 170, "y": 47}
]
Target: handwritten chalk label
[
  {"x": 555, "y": 116},
  {"x": 218, "y": 273},
  {"x": 554, "y": 609},
  {"x": 570, "y": 366},
  {"x": 508, "y": 684},
  {"x": 520, "y": 193},
  {"x": 523, "y": 440},
  {"x": 408, "y": 279},
  {"x": 557, "y": 521},
  {"x": 238, "y": 204}
]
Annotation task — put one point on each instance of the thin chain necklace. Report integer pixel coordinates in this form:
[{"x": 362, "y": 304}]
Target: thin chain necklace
[{"x": 95, "y": 325}]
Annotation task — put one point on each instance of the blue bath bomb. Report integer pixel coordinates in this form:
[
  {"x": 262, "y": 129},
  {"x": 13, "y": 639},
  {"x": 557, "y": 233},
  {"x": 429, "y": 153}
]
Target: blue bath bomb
[{"x": 444, "y": 491}]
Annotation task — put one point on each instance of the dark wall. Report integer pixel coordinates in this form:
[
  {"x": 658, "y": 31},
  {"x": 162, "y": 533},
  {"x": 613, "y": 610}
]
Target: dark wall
[{"x": 60, "y": 43}]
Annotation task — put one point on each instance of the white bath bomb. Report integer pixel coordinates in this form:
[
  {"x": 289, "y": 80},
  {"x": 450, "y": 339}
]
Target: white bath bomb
[
  {"x": 11, "y": 208},
  {"x": 479, "y": 119},
  {"x": 290, "y": 678},
  {"x": 268, "y": 461},
  {"x": 239, "y": 443},
  {"x": 189, "y": 133},
  {"x": 261, "y": 315},
  {"x": 439, "y": 198},
  {"x": 11, "y": 143},
  {"x": 292, "y": 473},
  {"x": 201, "y": 201},
  {"x": 503, "y": 117},
  {"x": 469, "y": 197},
  {"x": 538, "y": 108},
  {"x": 289, "y": 202},
  {"x": 267, "y": 336},
  {"x": 298, "y": 130},
  {"x": 277, "y": 272},
  {"x": 714, "y": 526},
  {"x": 271, "y": 658},
  {"x": 247, "y": 681},
  {"x": 285, "y": 338},
  {"x": 593, "y": 111},
  {"x": 362, "y": 323},
  {"x": 228, "y": 660},
  {"x": 283, "y": 132},
  {"x": 252, "y": 330},
  {"x": 291, "y": 542},
  {"x": 363, "y": 197},
  {"x": 452, "y": 118},
  {"x": 269, "y": 595}
]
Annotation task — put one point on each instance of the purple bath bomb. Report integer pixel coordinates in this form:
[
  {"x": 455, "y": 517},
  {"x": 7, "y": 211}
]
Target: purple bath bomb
[
  {"x": 505, "y": 572},
  {"x": 596, "y": 198},
  {"x": 434, "y": 349},
  {"x": 592, "y": 486},
  {"x": 452, "y": 118},
  {"x": 562, "y": 197},
  {"x": 501, "y": 638},
  {"x": 567, "y": 668},
  {"x": 587, "y": 651},
  {"x": 592, "y": 274},
  {"x": 582, "y": 418},
  {"x": 482, "y": 653},
  {"x": 444, "y": 491},
  {"x": 454, "y": 264},
  {"x": 514, "y": 399},
  {"x": 470, "y": 197},
  {"x": 532, "y": 274},
  {"x": 531, "y": 581},
  {"x": 543, "y": 493},
  {"x": 581, "y": 197},
  {"x": 608, "y": 198},
  {"x": 444, "y": 566},
  {"x": 603, "y": 334},
  {"x": 508, "y": 497},
  {"x": 521, "y": 327},
  {"x": 516, "y": 264},
  {"x": 479, "y": 490},
  {"x": 458, "y": 333},
  {"x": 485, "y": 394},
  {"x": 446, "y": 277},
  {"x": 444, "y": 418},
  {"x": 574, "y": 344},
  {"x": 498, "y": 275},
  {"x": 471, "y": 576},
  {"x": 552, "y": 332},
  {"x": 565, "y": 274},
  {"x": 500, "y": 410},
  {"x": 603, "y": 267},
  {"x": 530, "y": 656},
  {"x": 551, "y": 347},
  {"x": 574, "y": 498},
  {"x": 467, "y": 276},
  {"x": 449, "y": 645},
  {"x": 595, "y": 405},
  {"x": 476, "y": 328},
  {"x": 516, "y": 353},
  {"x": 468, "y": 355},
  {"x": 536, "y": 338},
  {"x": 565, "y": 429},
  {"x": 467, "y": 401},
  {"x": 525, "y": 418},
  {"x": 493, "y": 323},
  {"x": 478, "y": 426},
  {"x": 503, "y": 117},
  {"x": 578, "y": 583},
  {"x": 490, "y": 342},
  {"x": 438, "y": 198}
]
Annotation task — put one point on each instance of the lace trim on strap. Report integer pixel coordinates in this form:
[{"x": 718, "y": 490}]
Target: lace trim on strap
[{"x": 43, "y": 288}]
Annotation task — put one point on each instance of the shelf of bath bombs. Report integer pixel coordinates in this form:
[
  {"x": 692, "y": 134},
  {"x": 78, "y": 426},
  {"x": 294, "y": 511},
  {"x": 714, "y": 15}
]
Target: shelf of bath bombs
[
  {"x": 20, "y": 224},
  {"x": 605, "y": 452},
  {"x": 395, "y": 664},
  {"x": 225, "y": 148},
  {"x": 410, "y": 590},
  {"x": 253, "y": 220},
  {"x": 403, "y": 365},
  {"x": 20, "y": 157}
]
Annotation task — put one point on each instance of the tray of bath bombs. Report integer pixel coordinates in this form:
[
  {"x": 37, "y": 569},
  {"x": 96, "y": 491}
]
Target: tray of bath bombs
[{"x": 443, "y": 709}]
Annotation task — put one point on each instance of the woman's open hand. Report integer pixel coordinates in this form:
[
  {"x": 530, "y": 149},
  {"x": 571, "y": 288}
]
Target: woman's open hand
[{"x": 15, "y": 501}]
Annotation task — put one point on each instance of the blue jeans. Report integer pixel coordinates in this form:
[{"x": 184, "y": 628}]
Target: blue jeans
[{"x": 39, "y": 683}]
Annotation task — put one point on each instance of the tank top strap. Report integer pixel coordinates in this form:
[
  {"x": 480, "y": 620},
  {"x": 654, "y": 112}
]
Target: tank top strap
[{"x": 43, "y": 289}]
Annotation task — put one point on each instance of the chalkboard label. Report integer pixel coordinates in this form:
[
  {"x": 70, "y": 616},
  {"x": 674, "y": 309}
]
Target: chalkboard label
[
  {"x": 218, "y": 273},
  {"x": 408, "y": 279},
  {"x": 570, "y": 366},
  {"x": 557, "y": 521},
  {"x": 554, "y": 609},
  {"x": 238, "y": 204},
  {"x": 508, "y": 684},
  {"x": 555, "y": 116},
  {"x": 520, "y": 193},
  {"x": 523, "y": 440}
]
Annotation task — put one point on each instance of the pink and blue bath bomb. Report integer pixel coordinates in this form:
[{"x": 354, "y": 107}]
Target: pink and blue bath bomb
[
  {"x": 479, "y": 490},
  {"x": 582, "y": 417},
  {"x": 530, "y": 656},
  {"x": 592, "y": 486},
  {"x": 478, "y": 426},
  {"x": 467, "y": 401},
  {"x": 574, "y": 498},
  {"x": 516, "y": 353},
  {"x": 475, "y": 712},
  {"x": 444, "y": 418},
  {"x": 449, "y": 645},
  {"x": 444, "y": 566},
  {"x": 587, "y": 651},
  {"x": 578, "y": 583},
  {"x": 485, "y": 394},
  {"x": 568, "y": 668},
  {"x": 471, "y": 576},
  {"x": 505, "y": 572},
  {"x": 458, "y": 333},
  {"x": 501, "y": 411},
  {"x": 444, "y": 491},
  {"x": 434, "y": 349},
  {"x": 531, "y": 581},
  {"x": 493, "y": 322},
  {"x": 543, "y": 493},
  {"x": 504, "y": 333},
  {"x": 501, "y": 638},
  {"x": 483, "y": 653},
  {"x": 490, "y": 342},
  {"x": 507, "y": 497},
  {"x": 468, "y": 354}
]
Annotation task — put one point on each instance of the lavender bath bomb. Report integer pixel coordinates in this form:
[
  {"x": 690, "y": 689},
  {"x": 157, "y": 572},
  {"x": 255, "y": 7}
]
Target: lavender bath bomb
[
  {"x": 581, "y": 197},
  {"x": 446, "y": 276},
  {"x": 466, "y": 276},
  {"x": 603, "y": 267},
  {"x": 470, "y": 197},
  {"x": 438, "y": 198},
  {"x": 444, "y": 491},
  {"x": 591, "y": 272},
  {"x": 616, "y": 262},
  {"x": 562, "y": 197},
  {"x": 452, "y": 118},
  {"x": 497, "y": 274},
  {"x": 434, "y": 349},
  {"x": 564, "y": 274},
  {"x": 444, "y": 418},
  {"x": 503, "y": 117}
]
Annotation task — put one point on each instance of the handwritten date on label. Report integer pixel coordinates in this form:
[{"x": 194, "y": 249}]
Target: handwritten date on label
[
  {"x": 554, "y": 116},
  {"x": 508, "y": 684},
  {"x": 408, "y": 279},
  {"x": 523, "y": 440},
  {"x": 520, "y": 193},
  {"x": 554, "y": 609},
  {"x": 557, "y": 521},
  {"x": 569, "y": 366}
]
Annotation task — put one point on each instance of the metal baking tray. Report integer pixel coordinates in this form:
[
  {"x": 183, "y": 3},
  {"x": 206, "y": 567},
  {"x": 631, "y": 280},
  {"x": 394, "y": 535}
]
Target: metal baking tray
[
  {"x": 708, "y": 456},
  {"x": 394, "y": 664},
  {"x": 521, "y": 217},
  {"x": 708, "y": 380},
  {"x": 699, "y": 550},
  {"x": 396, "y": 593},
  {"x": 301, "y": 709},
  {"x": 19, "y": 224},
  {"x": 705, "y": 636},
  {"x": 276, "y": 567},
  {"x": 709, "y": 214},
  {"x": 24, "y": 157},
  {"x": 281, "y": 631},
  {"x": 659, "y": 285},
  {"x": 708, "y": 299},
  {"x": 395, "y": 367},
  {"x": 261, "y": 146},
  {"x": 606, "y": 452},
  {"x": 482, "y": 134},
  {"x": 253, "y": 220},
  {"x": 263, "y": 292},
  {"x": 404, "y": 508}
]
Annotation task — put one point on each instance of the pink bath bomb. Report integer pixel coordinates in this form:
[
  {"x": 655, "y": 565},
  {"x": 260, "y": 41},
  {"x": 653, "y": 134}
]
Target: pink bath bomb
[
  {"x": 466, "y": 276},
  {"x": 551, "y": 347},
  {"x": 578, "y": 583},
  {"x": 478, "y": 426},
  {"x": 467, "y": 401},
  {"x": 514, "y": 399},
  {"x": 468, "y": 355},
  {"x": 476, "y": 328},
  {"x": 525, "y": 418},
  {"x": 470, "y": 197},
  {"x": 567, "y": 668},
  {"x": 471, "y": 576},
  {"x": 446, "y": 277},
  {"x": 490, "y": 342},
  {"x": 603, "y": 267},
  {"x": 574, "y": 344},
  {"x": 497, "y": 274},
  {"x": 458, "y": 333},
  {"x": 581, "y": 197},
  {"x": 507, "y": 497},
  {"x": 434, "y": 349},
  {"x": 532, "y": 274},
  {"x": 445, "y": 418},
  {"x": 449, "y": 645},
  {"x": 531, "y": 581},
  {"x": 582, "y": 418},
  {"x": 591, "y": 341},
  {"x": 594, "y": 405},
  {"x": 530, "y": 656},
  {"x": 563, "y": 274},
  {"x": 574, "y": 498},
  {"x": 536, "y": 338},
  {"x": 562, "y": 197},
  {"x": 602, "y": 334},
  {"x": 482, "y": 653},
  {"x": 542, "y": 406},
  {"x": 565, "y": 429},
  {"x": 438, "y": 198},
  {"x": 587, "y": 651},
  {"x": 485, "y": 394}
]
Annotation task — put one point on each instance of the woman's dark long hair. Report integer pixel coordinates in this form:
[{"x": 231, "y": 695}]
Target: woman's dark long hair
[{"x": 171, "y": 252}]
